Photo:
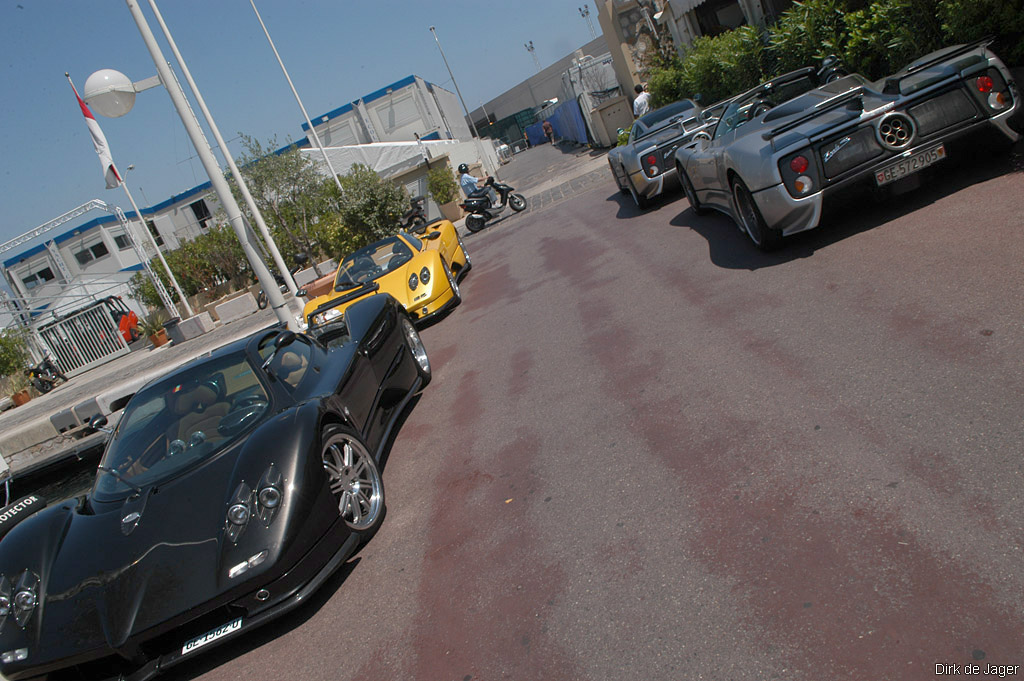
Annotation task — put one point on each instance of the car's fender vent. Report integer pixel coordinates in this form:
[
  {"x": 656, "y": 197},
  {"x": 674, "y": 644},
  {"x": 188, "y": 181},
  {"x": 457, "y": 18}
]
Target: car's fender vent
[{"x": 895, "y": 131}]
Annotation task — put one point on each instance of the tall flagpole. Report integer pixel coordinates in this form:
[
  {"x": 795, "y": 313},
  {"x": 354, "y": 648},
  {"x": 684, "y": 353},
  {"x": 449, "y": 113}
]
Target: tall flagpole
[{"x": 145, "y": 229}]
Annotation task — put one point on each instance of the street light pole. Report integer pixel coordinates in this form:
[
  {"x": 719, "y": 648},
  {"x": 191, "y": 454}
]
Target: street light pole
[
  {"x": 220, "y": 185},
  {"x": 282, "y": 267}
]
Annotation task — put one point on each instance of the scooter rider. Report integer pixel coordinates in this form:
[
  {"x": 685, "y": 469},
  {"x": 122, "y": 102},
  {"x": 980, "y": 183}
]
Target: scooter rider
[{"x": 471, "y": 185}]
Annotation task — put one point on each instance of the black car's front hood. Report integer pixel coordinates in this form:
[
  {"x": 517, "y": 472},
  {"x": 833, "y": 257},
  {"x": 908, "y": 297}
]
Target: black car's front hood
[{"x": 101, "y": 586}]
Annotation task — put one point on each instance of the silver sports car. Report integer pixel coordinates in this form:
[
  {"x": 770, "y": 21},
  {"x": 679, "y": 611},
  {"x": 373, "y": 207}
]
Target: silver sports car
[
  {"x": 643, "y": 166},
  {"x": 781, "y": 150}
]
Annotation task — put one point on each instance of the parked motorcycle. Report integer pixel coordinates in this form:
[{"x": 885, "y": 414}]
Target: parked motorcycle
[
  {"x": 45, "y": 375},
  {"x": 481, "y": 208},
  {"x": 261, "y": 298},
  {"x": 416, "y": 217}
]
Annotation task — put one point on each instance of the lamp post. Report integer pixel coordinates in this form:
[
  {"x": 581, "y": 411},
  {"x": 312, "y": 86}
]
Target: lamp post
[
  {"x": 476, "y": 134},
  {"x": 533, "y": 53},
  {"x": 120, "y": 102},
  {"x": 282, "y": 267},
  {"x": 585, "y": 13}
]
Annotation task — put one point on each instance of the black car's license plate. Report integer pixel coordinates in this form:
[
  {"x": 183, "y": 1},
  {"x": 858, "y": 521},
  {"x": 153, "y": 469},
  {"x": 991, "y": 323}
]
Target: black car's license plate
[
  {"x": 211, "y": 636},
  {"x": 909, "y": 165}
]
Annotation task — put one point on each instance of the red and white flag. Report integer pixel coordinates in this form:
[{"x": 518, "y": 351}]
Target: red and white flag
[{"x": 110, "y": 173}]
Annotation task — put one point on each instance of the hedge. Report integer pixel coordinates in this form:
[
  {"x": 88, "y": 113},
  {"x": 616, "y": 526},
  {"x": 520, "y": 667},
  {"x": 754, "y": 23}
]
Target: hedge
[{"x": 873, "y": 38}]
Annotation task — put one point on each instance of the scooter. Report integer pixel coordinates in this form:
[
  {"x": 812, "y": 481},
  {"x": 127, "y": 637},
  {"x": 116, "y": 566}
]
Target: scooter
[
  {"x": 481, "y": 208},
  {"x": 45, "y": 375}
]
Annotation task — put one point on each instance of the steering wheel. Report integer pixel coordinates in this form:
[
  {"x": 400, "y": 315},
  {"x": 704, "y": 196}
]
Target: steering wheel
[{"x": 242, "y": 415}]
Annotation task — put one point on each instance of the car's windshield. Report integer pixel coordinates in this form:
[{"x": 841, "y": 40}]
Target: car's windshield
[
  {"x": 371, "y": 262},
  {"x": 181, "y": 420},
  {"x": 659, "y": 118}
]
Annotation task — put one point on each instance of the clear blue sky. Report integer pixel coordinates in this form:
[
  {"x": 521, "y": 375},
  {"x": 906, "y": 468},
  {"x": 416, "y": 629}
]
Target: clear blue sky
[{"x": 335, "y": 52}]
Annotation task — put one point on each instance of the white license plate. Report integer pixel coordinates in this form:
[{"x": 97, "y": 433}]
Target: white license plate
[
  {"x": 910, "y": 165},
  {"x": 211, "y": 636}
]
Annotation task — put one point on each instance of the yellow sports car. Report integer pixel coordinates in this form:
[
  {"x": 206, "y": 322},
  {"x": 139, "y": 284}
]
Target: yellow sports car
[{"x": 420, "y": 272}]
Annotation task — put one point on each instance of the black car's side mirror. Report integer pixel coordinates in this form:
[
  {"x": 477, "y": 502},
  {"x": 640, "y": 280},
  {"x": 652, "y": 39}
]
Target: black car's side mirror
[
  {"x": 433, "y": 235},
  {"x": 281, "y": 340},
  {"x": 99, "y": 422}
]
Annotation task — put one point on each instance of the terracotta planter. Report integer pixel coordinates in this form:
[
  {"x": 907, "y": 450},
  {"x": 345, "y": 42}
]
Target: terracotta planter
[
  {"x": 21, "y": 397},
  {"x": 451, "y": 211},
  {"x": 159, "y": 338}
]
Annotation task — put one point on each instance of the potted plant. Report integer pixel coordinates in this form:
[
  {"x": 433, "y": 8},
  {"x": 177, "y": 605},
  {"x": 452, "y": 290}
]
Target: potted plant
[
  {"x": 153, "y": 327},
  {"x": 18, "y": 384},
  {"x": 444, "y": 190}
]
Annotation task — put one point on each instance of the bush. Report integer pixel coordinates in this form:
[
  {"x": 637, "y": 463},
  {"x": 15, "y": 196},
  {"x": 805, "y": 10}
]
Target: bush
[
  {"x": 442, "y": 186},
  {"x": 886, "y": 35},
  {"x": 714, "y": 67},
  {"x": 13, "y": 352},
  {"x": 966, "y": 20},
  {"x": 371, "y": 206},
  {"x": 806, "y": 33}
]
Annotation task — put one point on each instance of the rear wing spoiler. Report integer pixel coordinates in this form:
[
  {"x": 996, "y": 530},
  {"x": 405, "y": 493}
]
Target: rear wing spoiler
[
  {"x": 892, "y": 86},
  {"x": 370, "y": 287},
  {"x": 829, "y": 104}
]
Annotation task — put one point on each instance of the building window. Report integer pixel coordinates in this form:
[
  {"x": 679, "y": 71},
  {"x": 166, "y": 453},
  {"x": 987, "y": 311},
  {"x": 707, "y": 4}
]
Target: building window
[
  {"x": 89, "y": 253},
  {"x": 202, "y": 213},
  {"x": 156, "y": 235},
  {"x": 37, "y": 278},
  {"x": 122, "y": 242}
]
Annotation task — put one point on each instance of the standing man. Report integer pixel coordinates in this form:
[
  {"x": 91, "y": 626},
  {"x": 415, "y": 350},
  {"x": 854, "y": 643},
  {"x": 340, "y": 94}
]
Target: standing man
[
  {"x": 642, "y": 103},
  {"x": 549, "y": 131}
]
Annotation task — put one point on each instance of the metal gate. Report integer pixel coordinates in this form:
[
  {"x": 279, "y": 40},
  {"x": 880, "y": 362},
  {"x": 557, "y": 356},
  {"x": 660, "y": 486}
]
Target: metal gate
[{"x": 84, "y": 340}]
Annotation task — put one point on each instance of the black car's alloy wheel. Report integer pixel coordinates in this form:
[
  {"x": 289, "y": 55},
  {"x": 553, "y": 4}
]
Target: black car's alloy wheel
[
  {"x": 751, "y": 221},
  {"x": 355, "y": 479}
]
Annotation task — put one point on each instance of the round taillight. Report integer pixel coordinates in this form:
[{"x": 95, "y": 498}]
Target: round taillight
[
  {"x": 803, "y": 184},
  {"x": 799, "y": 164},
  {"x": 984, "y": 84},
  {"x": 652, "y": 159}
]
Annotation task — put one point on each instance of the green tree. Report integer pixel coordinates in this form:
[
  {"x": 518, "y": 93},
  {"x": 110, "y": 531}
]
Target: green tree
[
  {"x": 371, "y": 206},
  {"x": 291, "y": 194}
]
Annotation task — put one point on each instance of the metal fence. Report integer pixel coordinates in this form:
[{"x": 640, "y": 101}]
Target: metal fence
[{"x": 84, "y": 340}]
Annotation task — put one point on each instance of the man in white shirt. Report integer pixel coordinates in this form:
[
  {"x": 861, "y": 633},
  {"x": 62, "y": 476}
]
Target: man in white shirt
[{"x": 642, "y": 103}]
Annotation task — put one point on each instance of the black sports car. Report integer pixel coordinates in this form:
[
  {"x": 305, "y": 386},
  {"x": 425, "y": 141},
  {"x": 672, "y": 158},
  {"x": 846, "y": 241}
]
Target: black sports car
[{"x": 229, "y": 491}]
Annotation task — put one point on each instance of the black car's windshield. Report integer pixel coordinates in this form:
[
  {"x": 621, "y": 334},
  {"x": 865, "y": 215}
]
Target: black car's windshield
[
  {"x": 181, "y": 420},
  {"x": 659, "y": 118},
  {"x": 371, "y": 262}
]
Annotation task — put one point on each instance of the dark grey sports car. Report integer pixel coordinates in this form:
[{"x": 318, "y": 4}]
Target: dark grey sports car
[
  {"x": 229, "y": 491},
  {"x": 783, "y": 149}
]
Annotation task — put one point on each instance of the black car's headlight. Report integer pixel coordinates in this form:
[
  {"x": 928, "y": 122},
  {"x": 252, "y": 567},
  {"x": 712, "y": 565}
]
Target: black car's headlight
[
  {"x": 269, "y": 494},
  {"x": 413, "y": 282},
  {"x": 238, "y": 513},
  {"x": 425, "y": 276},
  {"x": 26, "y": 597}
]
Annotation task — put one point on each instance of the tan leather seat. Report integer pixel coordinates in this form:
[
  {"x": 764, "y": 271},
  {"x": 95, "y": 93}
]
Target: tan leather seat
[{"x": 197, "y": 410}]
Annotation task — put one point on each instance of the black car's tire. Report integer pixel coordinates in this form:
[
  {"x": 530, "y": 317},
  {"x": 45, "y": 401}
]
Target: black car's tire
[
  {"x": 642, "y": 202},
  {"x": 354, "y": 479},
  {"x": 691, "y": 193},
  {"x": 418, "y": 351},
  {"x": 751, "y": 221},
  {"x": 517, "y": 202},
  {"x": 475, "y": 223},
  {"x": 262, "y": 300}
]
